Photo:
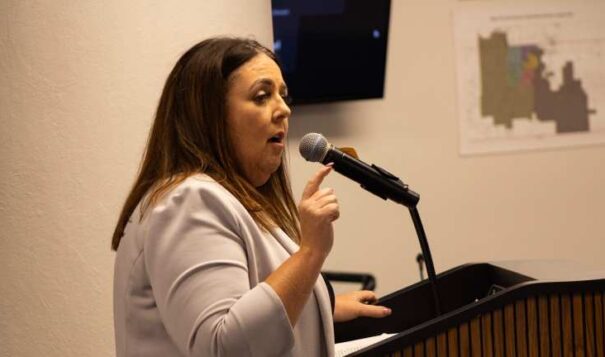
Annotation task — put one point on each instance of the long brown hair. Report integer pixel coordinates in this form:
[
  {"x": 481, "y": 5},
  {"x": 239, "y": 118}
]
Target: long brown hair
[{"x": 189, "y": 136}]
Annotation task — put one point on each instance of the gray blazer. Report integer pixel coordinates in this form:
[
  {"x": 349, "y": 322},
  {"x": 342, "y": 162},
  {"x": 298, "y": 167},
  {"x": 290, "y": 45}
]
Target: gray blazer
[{"x": 188, "y": 281}]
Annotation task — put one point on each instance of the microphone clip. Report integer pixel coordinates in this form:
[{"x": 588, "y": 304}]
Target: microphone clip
[
  {"x": 389, "y": 176},
  {"x": 379, "y": 190}
]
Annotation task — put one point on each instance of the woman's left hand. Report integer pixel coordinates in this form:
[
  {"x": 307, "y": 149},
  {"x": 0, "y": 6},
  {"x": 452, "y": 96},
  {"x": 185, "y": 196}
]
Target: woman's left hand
[{"x": 356, "y": 304}]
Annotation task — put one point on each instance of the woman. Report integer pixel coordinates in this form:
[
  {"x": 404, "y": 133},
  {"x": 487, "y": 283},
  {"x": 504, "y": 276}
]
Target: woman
[{"x": 213, "y": 257}]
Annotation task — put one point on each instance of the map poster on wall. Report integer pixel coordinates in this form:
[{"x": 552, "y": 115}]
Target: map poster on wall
[{"x": 530, "y": 75}]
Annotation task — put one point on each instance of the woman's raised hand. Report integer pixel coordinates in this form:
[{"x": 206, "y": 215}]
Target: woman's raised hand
[{"x": 318, "y": 208}]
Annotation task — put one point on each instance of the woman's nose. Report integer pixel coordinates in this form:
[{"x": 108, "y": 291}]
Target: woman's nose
[{"x": 283, "y": 111}]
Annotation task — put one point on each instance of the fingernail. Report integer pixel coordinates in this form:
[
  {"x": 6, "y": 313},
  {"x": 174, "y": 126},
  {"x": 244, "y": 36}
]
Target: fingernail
[{"x": 387, "y": 311}]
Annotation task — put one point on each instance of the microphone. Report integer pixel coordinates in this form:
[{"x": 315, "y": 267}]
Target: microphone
[{"x": 315, "y": 148}]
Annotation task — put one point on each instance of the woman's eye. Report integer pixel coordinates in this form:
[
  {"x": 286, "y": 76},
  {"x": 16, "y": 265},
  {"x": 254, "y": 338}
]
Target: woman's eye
[
  {"x": 262, "y": 97},
  {"x": 286, "y": 98}
]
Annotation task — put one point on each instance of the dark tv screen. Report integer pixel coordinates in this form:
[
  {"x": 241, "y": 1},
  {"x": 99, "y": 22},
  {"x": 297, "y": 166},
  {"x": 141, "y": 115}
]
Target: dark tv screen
[{"x": 332, "y": 50}]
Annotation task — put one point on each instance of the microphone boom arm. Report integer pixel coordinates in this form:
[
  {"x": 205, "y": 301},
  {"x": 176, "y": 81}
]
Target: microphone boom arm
[
  {"x": 388, "y": 186},
  {"x": 315, "y": 148}
]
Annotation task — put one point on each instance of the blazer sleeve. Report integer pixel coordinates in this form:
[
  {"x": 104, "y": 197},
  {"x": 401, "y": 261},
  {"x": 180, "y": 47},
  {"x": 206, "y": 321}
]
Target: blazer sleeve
[{"x": 196, "y": 262}]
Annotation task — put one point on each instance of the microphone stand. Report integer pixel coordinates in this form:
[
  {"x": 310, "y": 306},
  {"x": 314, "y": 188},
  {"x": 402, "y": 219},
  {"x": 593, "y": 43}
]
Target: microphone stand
[
  {"x": 420, "y": 261},
  {"x": 410, "y": 199},
  {"x": 428, "y": 259},
  {"x": 387, "y": 186}
]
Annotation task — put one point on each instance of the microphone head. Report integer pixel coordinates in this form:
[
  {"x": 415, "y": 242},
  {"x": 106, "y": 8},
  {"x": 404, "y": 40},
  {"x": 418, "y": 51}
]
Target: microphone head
[{"x": 313, "y": 147}]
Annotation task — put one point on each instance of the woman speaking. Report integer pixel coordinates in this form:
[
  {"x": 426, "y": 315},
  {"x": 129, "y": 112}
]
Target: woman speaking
[{"x": 214, "y": 258}]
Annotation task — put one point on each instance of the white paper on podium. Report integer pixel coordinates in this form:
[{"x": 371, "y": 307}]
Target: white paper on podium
[{"x": 345, "y": 348}]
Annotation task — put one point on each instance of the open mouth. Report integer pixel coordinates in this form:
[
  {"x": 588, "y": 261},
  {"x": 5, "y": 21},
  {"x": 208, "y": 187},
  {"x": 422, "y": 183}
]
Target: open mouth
[{"x": 277, "y": 138}]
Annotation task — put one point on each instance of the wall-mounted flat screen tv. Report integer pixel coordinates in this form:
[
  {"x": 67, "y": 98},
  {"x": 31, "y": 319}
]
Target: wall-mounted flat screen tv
[{"x": 332, "y": 50}]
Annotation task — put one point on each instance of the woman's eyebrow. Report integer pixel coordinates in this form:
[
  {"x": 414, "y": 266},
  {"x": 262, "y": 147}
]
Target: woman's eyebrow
[
  {"x": 268, "y": 82},
  {"x": 262, "y": 81},
  {"x": 283, "y": 88}
]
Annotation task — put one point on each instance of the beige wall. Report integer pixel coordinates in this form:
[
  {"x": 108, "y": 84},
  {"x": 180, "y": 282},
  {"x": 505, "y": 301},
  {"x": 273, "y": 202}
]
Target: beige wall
[
  {"x": 547, "y": 204},
  {"x": 79, "y": 83}
]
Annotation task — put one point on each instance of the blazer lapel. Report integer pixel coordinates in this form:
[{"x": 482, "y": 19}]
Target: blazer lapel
[{"x": 320, "y": 290}]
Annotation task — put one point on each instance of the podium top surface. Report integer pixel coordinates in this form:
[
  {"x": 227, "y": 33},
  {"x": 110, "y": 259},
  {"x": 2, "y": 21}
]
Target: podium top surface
[
  {"x": 552, "y": 270},
  {"x": 466, "y": 292}
]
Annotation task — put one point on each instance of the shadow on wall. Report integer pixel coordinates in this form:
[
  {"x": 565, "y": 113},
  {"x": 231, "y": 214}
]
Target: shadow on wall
[{"x": 327, "y": 119}]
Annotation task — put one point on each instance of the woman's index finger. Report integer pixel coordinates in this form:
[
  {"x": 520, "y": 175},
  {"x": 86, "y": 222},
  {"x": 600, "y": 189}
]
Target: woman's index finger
[{"x": 315, "y": 181}]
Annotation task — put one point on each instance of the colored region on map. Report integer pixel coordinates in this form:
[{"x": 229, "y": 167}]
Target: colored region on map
[{"x": 515, "y": 84}]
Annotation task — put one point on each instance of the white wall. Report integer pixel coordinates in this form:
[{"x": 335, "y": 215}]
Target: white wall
[
  {"x": 545, "y": 204},
  {"x": 80, "y": 81}
]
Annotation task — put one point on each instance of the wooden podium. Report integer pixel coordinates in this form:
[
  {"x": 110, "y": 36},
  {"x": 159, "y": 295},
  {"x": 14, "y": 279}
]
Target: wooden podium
[{"x": 497, "y": 309}]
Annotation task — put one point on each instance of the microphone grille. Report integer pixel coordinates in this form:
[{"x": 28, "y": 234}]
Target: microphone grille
[{"x": 313, "y": 147}]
